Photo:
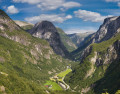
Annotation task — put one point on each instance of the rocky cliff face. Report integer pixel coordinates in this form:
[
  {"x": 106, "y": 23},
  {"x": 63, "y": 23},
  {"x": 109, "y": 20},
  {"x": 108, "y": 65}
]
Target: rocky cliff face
[
  {"x": 46, "y": 30},
  {"x": 9, "y": 29},
  {"x": 108, "y": 29},
  {"x": 6, "y": 23},
  {"x": 103, "y": 58},
  {"x": 100, "y": 61}
]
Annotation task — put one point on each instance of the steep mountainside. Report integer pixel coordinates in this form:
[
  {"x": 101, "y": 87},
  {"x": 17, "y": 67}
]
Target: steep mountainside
[
  {"x": 107, "y": 30},
  {"x": 7, "y": 23},
  {"x": 46, "y": 30},
  {"x": 100, "y": 65},
  {"x": 76, "y": 54},
  {"x": 24, "y": 25},
  {"x": 66, "y": 40},
  {"x": 77, "y": 38},
  {"x": 26, "y": 62}
]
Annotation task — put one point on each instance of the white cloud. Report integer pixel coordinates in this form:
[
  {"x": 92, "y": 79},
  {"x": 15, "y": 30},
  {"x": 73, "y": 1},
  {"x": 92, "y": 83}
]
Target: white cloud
[
  {"x": 28, "y": 1},
  {"x": 50, "y": 4},
  {"x": 71, "y": 4},
  {"x": 90, "y": 16},
  {"x": 68, "y": 17},
  {"x": 77, "y": 30},
  {"x": 12, "y": 9},
  {"x": 53, "y": 18}
]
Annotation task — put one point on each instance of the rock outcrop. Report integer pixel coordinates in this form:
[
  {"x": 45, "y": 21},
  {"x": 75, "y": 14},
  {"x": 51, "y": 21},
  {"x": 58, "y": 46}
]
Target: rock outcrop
[
  {"x": 46, "y": 30},
  {"x": 112, "y": 54},
  {"x": 100, "y": 61},
  {"x": 108, "y": 29},
  {"x": 6, "y": 23}
]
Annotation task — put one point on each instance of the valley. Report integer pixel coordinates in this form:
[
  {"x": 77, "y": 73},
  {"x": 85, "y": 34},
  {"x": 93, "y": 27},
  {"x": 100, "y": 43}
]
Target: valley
[{"x": 41, "y": 58}]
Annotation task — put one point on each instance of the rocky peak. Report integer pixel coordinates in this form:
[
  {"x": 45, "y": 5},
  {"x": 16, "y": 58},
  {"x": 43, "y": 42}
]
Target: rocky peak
[
  {"x": 108, "y": 29},
  {"x": 46, "y": 30},
  {"x": 6, "y": 23}
]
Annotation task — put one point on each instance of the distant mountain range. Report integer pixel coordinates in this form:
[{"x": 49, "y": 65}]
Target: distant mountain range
[
  {"x": 24, "y": 25},
  {"x": 78, "y": 38}
]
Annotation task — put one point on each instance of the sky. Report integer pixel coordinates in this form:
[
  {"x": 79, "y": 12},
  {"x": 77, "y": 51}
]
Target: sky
[{"x": 73, "y": 16}]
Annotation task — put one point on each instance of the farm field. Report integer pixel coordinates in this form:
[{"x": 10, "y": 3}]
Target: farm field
[{"x": 53, "y": 82}]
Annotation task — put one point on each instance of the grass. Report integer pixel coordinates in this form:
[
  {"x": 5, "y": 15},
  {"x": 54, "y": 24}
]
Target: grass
[
  {"x": 53, "y": 81},
  {"x": 55, "y": 86},
  {"x": 23, "y": 75},
  {"x": 18, "y": 72},
  {"x": 63, "y": 74},
  {"x": 79, "y": 72},
  {"x": 65, "y": 39}
]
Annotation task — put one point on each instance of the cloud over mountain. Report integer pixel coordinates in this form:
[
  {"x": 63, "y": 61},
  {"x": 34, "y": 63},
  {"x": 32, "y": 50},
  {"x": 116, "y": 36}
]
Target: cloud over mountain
[
  {"x": 90, "y": 16},
  {"x": 53, "y": 18}
]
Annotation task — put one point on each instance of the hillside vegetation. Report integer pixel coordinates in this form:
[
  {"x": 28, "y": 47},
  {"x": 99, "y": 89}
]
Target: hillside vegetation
[
  {"x": 26, "y": 62},
  {"x": 66, "y": 40},
  {"x": 100, "y": 78}
]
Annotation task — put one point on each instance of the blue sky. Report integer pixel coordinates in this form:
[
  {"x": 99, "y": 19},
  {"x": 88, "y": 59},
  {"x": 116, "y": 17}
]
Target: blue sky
[{"x": 73, "y": 16}]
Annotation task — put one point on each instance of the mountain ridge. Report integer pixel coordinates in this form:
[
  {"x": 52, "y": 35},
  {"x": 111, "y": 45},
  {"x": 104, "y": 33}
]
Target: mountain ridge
[
  {"x": 46, "y": 30},
  {"x": 69, "y": 44},
  {"x": 26, "y": 62},
  {"x": 99, "y": 61}
]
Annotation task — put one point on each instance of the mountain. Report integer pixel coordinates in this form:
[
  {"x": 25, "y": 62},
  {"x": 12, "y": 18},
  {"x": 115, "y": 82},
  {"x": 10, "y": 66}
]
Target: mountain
[
  {"x": 26, "y": 62},
  {"x": 46, "y": 30},
  {"x": 107, "y": 30},
  {"x": 24, "y": 25},
  {"x": 66, "y": 40},
  {"x": 77, "y": 38},
  {"x": 76, "y": 54},
  {"x": 6, "y": 23},
  {"x": 99, "y": 68}
]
